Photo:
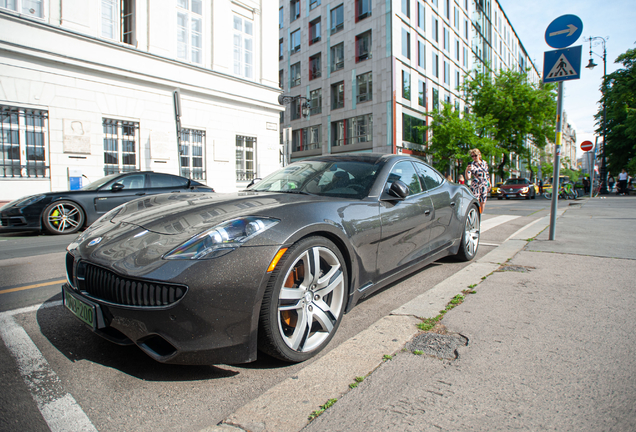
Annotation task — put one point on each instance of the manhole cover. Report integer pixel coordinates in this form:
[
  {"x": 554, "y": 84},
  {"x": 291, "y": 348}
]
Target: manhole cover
[{"x": 438, "y": 345}]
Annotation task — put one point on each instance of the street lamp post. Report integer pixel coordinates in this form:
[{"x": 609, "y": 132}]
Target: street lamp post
[{"x": 591, "y": 65}]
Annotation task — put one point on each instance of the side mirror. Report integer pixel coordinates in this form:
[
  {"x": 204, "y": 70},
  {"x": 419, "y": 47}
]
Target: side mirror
[
  {"x": 398, "y": 190},
  {"x": 253, "y": 182},
  {"x": 117, "y": 187}
]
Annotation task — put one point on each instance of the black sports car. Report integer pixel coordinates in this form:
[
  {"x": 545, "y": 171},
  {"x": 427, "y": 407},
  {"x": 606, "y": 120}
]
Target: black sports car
[
  {"x": 211, "y": 278},
  {"x": 68, "y": 211}
]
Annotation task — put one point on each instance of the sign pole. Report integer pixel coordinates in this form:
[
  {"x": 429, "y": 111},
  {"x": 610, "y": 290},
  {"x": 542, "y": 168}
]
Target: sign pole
[{"x": 557, "y": 162}]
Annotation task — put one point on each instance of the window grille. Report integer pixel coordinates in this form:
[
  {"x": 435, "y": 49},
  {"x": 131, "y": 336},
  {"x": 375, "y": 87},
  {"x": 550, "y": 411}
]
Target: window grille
[
  {"x": 23, "y": 143},
  {"x": 191, "y": 147},
  {"x": 121, "y": 141},
  {"x": 245, "y": 158}
]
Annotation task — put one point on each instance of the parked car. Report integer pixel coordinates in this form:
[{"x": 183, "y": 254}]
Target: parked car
[
  {"x": 68, "y": 211},
  {"x": 209, "y": 278},
  {"x": 494, "y": 191},
  {"x": 518, "y": 187}
]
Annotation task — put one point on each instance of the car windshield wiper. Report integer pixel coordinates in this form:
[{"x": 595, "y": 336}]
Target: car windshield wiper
[{"x": 292, "y": 191}]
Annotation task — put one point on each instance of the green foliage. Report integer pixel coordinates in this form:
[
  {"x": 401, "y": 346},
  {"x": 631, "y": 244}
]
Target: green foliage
[
  {"x": 454, "y": 135},
  {"x": 322, "y": 409},
  {"x": 517, "y": 108},
  {"x": 619, "y": 90}
]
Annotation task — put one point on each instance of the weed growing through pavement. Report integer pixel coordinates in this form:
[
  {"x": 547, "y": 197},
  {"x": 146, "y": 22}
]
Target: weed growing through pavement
[
  {"x": 428, "y": 323},
  {"x": 357, "y": 381},
  {"x": 387, "y": 357},
  {"x": 322, "y": 409},
  {"x": 418, "y": 352}
]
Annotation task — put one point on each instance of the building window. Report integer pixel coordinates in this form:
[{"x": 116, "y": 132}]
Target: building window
[
  {"x": 337, "y": 57},
  {"x": 314, "y": 31},
  {"x": 421, "y": 54},
  {"x": 435, "y": 65},
  {"x": 421, "y": 16},
  {"x": 280, "y": 49},
  {"x": 281, "y": 18},
  {"x": 315, "y": 66},
  {"x": 191, "y": 145},
  {"x": 457, "y": 50},
  {"x": 446, "y": 39},
  {"x": 243, "y": 47},
  {"x": 406, "y": 85},
  {"x": 456, "y": 79},
  {"x": 315, "y": 101},
  {"x": 466, "y": 29},
  {"x": 121, "y": 140},
  {"x": 352, "y": 131},
  {"x": 189, "y": 30},
  {"x": 363, "y": 9},
  {"x": 294, "y": 9},
  {"x": 30, "y": 8},
  {"x": 245, "y": 158},
  {"x": 435, "y": 99},
  {"x": 364, "y": 87},
  {"x": 23, "y": 142},
  {"x": 313, "y": 4},
  {"x": 337, "y": 95},
  {"x": 280, "y": 78},
  {"x": 406, "y": 8},
  {"x": 294, "y": 40},
  {"x": 295, "y": 108},
  {"x": 457, "y": 18},
  {"x": 307, "y": 138},
  {"x": 294, "y": 75},
  {"x": 412, "y": 129},
  {"x": 465, "y": 56},
  {"x": 446, "y": 72},
  {"x": 338, "y": 133},
  {"x": 447, "y": 9},
  {"x": 118, "y": 20},
  {"x": 406, "y": 43},
  {"x": 435, "y": 29},
  {"x": 363, "y": 46},
  {"x": 421, "y": 94},
  {"x": 337, "y": 19}
]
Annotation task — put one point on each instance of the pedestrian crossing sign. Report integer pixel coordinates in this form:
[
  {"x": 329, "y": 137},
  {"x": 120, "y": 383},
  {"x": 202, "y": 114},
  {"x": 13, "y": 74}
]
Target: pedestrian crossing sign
[{"x": 562, "y": 64}]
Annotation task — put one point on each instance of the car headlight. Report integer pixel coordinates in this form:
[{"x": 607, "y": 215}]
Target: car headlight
[
  {"x": 222, "y": 239},
  {"x": 27, "y": 201},
  {"x": 524, "y": 190}
]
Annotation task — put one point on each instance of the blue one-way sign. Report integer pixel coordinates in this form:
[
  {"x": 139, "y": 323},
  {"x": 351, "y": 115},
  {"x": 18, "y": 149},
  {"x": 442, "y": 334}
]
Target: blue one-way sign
[
  {"x": 562, "y": 65},
  {"x": 563, "y": 31}
]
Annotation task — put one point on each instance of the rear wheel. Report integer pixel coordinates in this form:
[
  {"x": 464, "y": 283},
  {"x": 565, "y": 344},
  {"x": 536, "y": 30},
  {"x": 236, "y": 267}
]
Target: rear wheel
[
  {"x": 470, "y": 237},
  {"x": 63, "y": 217},
  {"x": 304, "y": 301}
]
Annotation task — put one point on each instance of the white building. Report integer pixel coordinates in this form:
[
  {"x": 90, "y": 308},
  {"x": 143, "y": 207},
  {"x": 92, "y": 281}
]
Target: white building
[
  {"x": 90, "y": 87},
  {"x": 371, "y": 70}
]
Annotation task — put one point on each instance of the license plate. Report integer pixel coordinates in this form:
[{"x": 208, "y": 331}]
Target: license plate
[{"x": 84, "y": 311}]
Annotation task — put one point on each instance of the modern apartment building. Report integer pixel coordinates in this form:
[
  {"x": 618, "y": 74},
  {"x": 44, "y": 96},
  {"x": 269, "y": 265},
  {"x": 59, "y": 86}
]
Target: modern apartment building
[
  {"x": 361, "y": 75},
  {"x": 92, "y": 87}
]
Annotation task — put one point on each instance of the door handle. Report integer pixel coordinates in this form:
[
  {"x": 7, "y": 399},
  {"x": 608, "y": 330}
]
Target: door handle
[
  {"x": 452, "y": 204},
  {"x": 427, "y": 212},
  {"x": 140, "y": 193}
]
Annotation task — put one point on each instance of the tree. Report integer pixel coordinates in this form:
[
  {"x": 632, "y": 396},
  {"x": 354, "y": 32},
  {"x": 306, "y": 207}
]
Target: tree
[
  {"x": 454, "y": 135},
  {"x": 619, "y": 90},
  {"x": 518, "y": 108}
]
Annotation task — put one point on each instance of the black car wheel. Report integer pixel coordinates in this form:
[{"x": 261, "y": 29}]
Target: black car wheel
[
  {"x": 499, "y": 198},
  {"x": 304, "y": 301},
  {"x": 470, "y": 238},
  {"x": 63, "y": 217}
]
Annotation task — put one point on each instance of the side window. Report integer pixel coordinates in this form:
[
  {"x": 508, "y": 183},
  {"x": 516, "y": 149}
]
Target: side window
[
  {"x": 429, "y": 177},
  {"x": 166, "y": 181},
  {"x": 132, "y": 181},
  {"x": 405, "y": 172}
]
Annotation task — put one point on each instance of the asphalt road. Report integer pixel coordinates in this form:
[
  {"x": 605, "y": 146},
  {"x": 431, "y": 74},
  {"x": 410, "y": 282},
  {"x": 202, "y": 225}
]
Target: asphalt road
[{"x": 120, "y": 388}]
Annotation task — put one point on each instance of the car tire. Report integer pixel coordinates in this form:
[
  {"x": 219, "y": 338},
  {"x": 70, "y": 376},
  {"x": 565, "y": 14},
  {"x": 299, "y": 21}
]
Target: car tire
[
  {"x": 534, "y": 195},
  {"x": 63, "y": 217},
  {"x": 469, "y": 243},
  {"x": 499, "y": 198},
  {"x": 301, "y": 310}
]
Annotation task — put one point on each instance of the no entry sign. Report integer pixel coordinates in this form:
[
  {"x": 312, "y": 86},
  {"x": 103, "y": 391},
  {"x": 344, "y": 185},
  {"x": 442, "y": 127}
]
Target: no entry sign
[{"x": 587, "y": 145}]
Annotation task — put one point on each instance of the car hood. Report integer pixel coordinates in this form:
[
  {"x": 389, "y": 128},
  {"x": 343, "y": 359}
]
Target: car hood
[
  {"x": 515, "y": 186},
  {"x": 190, "y": 214}
]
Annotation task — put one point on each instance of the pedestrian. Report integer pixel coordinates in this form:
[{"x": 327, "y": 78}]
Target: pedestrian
[
  {"x": 610, "y": 181},
  {"x": 449, "y": 178},
  {"x": 541, "y": 186},
  {"x": 586, "y": 185},
  {"x": 461, "y": 179},
  {"x": 479, "y": 184},
  {"x": 622, "y": 182}
]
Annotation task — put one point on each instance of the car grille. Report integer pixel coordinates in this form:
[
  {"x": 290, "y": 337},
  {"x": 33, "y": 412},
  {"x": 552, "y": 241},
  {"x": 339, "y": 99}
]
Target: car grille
[{"x": 102, "y": 284}]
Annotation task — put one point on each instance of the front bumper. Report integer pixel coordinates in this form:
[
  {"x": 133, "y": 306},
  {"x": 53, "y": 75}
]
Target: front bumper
[
  {"x": 12, "y": 220},
  {"x": 214, "y": 322}
]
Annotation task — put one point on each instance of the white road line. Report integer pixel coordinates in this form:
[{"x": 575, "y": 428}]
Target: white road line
[
  {"x": 493, "y": 222},
  {"x": 59, "y": 409}
]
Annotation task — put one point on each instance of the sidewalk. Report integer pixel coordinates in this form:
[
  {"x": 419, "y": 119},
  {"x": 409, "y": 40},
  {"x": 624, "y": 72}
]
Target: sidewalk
[{"x": 550, "y": 342}]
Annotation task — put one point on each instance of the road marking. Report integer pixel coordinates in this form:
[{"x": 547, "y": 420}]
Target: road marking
[
  {"x": 60, "y": 410},
  {"x": 496, "y": 221},
  {"x": 10, "y": 290}
]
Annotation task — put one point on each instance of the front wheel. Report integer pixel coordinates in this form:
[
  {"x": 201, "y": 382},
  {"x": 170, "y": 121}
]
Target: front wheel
[
  {"x": 470, "y": 237},
  {"x": 63, "y": 217},
  {"x": 304, "y": 301}
]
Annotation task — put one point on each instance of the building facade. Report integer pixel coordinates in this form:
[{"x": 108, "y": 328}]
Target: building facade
[
  {"x": 363, "y": 74},
  {"x": 93, "y": 87}
]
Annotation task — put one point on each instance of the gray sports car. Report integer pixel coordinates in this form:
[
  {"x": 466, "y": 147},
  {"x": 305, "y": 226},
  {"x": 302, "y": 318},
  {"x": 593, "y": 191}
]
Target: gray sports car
[{"x": 212, "y": 278}]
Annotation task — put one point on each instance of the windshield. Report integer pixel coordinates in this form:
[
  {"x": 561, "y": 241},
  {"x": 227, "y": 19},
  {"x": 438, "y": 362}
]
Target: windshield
[
  {"x": 99, "y": 183},
  {"x": 345, "y": 179},
  {"x": 517, "y": 181}
]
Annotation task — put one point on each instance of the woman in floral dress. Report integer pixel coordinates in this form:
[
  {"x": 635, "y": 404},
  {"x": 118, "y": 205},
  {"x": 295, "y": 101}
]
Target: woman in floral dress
[{"x": 479, "y": 184}]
